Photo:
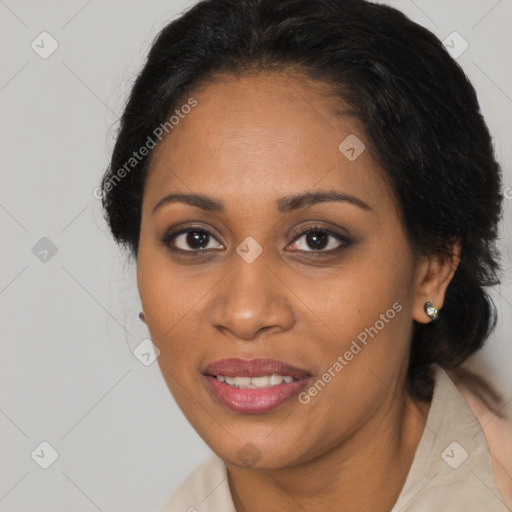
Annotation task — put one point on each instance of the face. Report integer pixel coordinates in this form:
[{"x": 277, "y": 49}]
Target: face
[{"x": 292, "y": 252}]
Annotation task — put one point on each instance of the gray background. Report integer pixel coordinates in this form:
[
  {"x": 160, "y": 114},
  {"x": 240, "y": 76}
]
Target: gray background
[{"x": 69, "y": 323}]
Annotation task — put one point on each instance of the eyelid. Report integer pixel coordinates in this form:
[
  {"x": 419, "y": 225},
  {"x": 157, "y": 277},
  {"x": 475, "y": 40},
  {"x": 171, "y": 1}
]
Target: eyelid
[
  {"x": 343, "y": 239},
  {"x": 173, "y": 233}
]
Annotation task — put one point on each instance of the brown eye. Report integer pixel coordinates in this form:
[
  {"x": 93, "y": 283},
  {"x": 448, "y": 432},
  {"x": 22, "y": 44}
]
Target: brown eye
[
  {"x": 193, "y": 240},
  {"x": 317, "y": 240},
  {"x": 320, "y": 240}
]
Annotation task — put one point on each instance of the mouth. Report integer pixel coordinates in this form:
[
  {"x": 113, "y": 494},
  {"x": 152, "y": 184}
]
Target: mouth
[
  {"x": 254, "y": 386},
  {"x": 261, "y": 382}
]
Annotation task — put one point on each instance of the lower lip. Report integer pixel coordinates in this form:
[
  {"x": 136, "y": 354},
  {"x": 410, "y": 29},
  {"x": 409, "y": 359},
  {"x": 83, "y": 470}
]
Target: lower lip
[{"x": 254, "y": 401}]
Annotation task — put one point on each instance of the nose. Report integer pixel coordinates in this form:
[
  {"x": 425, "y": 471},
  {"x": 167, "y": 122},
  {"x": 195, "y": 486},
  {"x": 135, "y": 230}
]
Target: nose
[{"x": 251, "y": 299}]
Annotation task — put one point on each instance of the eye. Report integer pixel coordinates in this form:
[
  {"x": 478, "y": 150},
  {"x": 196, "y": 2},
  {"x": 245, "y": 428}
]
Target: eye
[
  {"x": 318, "y": 239},
  {"x": 192, "y": 240}
]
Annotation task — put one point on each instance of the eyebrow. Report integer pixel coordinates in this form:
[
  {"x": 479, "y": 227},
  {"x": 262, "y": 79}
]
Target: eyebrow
[
  {"x": 296, "y": 202},
  {"x": 284, "y": 205},
  {"x": 197, "y": 200}
]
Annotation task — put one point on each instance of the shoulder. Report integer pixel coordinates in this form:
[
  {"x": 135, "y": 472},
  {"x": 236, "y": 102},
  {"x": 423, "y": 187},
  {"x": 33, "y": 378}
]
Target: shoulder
[
  {"x": 205, "y": 488},
  {"x": 487, "y": 406}
]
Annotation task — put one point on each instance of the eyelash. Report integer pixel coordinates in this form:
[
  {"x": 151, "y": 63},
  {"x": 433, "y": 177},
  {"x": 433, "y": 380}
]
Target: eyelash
[{"x": 344, "y": 241}]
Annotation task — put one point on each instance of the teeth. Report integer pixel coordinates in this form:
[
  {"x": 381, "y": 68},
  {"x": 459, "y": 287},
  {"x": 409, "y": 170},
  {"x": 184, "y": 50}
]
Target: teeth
[
  {"x": 258, "y": 382},
  {"x": 275, "y": 380},
  {"x": 265, "y": 381}
]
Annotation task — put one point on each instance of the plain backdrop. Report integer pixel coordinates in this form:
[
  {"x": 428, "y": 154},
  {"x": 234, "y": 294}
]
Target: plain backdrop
[{"x": 68, "y": 374}]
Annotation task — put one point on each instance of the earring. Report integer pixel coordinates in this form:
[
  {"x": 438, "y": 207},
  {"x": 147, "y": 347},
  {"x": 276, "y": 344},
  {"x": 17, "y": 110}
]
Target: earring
[
  {"x": 142, "y": 317},
  {"x": 431, "y": 310}
]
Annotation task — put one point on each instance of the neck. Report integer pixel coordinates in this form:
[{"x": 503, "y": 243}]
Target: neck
[{"x": 365, "y": 472}]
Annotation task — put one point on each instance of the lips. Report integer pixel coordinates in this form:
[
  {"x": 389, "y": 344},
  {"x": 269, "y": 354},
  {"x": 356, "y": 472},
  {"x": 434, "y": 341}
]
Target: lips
[
  {"x": 235, "y": 367},
  {"x": 253, "y": 400}
]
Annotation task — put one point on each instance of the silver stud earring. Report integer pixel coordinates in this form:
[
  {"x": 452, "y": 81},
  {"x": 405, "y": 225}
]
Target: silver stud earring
[
  {"x": 142, "y": 317},
  {"x": 431, "y": 310}
]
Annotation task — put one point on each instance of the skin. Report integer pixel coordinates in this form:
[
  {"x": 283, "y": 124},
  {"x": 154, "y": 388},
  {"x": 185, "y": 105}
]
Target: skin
[{"x": 249, "y": 142}]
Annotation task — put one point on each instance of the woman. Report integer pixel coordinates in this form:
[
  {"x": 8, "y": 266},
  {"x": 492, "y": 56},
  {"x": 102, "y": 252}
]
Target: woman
[{"x": 311, "y": 197}]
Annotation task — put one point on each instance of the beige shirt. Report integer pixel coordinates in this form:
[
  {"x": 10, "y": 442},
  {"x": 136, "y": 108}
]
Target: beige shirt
[{"x": 451, "y": 470}]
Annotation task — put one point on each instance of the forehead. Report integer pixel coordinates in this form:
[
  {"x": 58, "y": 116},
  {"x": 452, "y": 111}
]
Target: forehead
[{"x": 265, "y": 134}]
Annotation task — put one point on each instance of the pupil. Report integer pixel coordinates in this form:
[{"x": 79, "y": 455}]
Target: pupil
[
  {"x": 316, "y": 239},
  {"x": 197, "y": 239}
]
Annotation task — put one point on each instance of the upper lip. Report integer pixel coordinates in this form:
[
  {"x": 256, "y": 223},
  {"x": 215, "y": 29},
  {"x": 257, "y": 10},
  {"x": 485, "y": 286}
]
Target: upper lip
[{"x": 236, "y": 367}]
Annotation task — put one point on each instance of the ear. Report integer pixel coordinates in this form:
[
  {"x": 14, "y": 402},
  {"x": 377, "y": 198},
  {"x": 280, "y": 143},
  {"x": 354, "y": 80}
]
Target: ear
[{"x": 433, "y": 275}]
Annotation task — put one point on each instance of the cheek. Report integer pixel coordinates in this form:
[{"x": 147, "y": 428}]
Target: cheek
[
  {"x": 362, "y": 320},
  {"x": 360, "y": 359},
  {"x": 172, "y": 305},
  {"x": 365, "y": 295},
  {"x": 171, "y": 301}
]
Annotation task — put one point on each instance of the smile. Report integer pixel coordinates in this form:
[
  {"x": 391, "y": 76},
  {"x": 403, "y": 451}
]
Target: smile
[
  {"x": 264, "y": 381},
  {"x": 253, "y": 386}
]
